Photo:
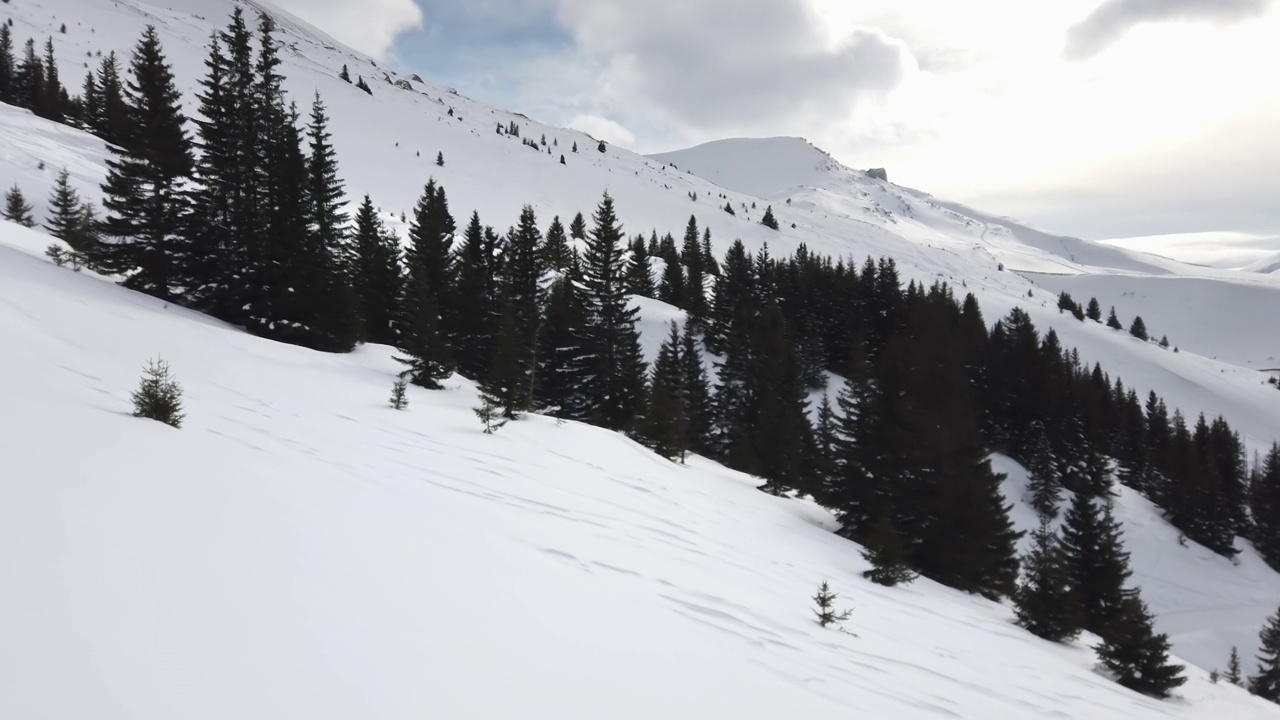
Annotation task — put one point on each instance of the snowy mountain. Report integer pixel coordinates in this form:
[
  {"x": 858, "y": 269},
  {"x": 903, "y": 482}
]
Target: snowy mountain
[{"x": 299, "y": 549}]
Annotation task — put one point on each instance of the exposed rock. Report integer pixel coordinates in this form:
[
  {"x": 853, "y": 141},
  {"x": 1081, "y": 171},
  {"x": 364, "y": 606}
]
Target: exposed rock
[{"x": 878, "y": 174}]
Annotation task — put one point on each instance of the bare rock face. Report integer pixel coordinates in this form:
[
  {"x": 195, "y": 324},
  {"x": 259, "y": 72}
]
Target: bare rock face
[{"x": 878, "y": 174}]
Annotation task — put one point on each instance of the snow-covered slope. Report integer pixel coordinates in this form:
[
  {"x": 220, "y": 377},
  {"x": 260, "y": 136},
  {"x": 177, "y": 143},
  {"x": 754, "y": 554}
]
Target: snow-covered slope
[
  {"x": 326, "y": 557},
  {"x": 299, "y": 549}
]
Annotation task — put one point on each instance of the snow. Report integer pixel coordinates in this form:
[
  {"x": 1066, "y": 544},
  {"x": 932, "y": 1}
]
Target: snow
[{"x": 300, "y": 549}]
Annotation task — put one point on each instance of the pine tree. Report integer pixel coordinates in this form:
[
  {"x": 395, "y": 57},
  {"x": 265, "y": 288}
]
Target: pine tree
[
  {"x": 887, "y": 554},
  {"x": 1136, "y": 655},
  {"x": 376, "y": 276},
  {"x": 143, "y": 195},
  {"x": 826, "y": 444},
  {"x": 1113, "y": 322},
  {"x": 1234, "y": 671},
  {"x": 16, "y": 208},
  {"x": 1039, "y": 602},
  {"x": 1138, "y": 329},
  {"x": 506, "y": 386},
  {"x": 399, "y": 394},
  {"x": 768, "y": 220},
  {"x": 1094, "y": 312},
  {"x": 29, "y": 78},
  {"x": 226, "y": 252},
  {"x": 8, "y": 66},
  {"x": 694, "y": 292},
  {"x": 615, "y": 383},
  {"x": 159, "y": 396},
  {"x": 421, "y": 343},
  {"x": 639, "y": 276},
  {"x": 578, "y": 227},
  {"x": 666, "y": 423},
  {"x": 1264, "y": 506},
  {"x": 479, "y": 304},
  {"x": 113, "y": 120},
  {"x": 826, "y": 602},
  {"x": 697, "y": 394},
  {"x": 671, "y": 290},
  {"x": 90, "y": 109},
  {"x": 1044, "y": 484},
  {"x": 564, "y": 363},
  {"x": 334, "y": 302},
  {"x": 1266, "y": 683},
  {"x": 522, "y": 291},
  {"x": 67, "y": 217},
  {"x": 424, "y": 327},
  {"x": 345, "y": 74},
  {"x": 489, "y": 413},
  {"x": 49, "y": 104},
  {"x": 555, "y": 247},
  {"x": 1097, "y": 562}
]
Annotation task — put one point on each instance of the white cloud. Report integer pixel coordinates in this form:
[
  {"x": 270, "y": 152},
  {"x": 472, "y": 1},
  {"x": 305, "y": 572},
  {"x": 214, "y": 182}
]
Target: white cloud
[
  {"x": 1113, "y": 18},
  {"x": 602, "y": 128},
  {"x": 730, "y": 66},
  {"x": 370, "y": 26}
]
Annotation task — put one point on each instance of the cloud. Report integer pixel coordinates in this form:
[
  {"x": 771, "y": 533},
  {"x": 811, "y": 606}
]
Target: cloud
[
  {"x": 602, "y": 128},
  {"x": 370, "y": 26},
  {"x": 1107, "y": 24},
  {"x": 730, "y": 65}
]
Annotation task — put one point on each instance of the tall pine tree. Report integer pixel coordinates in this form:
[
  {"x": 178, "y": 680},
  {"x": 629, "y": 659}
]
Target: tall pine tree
[
  {"x": 143, "y": 196},
  {"x": 615, "y": 381},
  {"x": 376, "y": 275}
]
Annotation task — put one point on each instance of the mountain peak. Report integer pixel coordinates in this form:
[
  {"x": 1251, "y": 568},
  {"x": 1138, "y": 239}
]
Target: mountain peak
[{"x": 764, "y": 167}]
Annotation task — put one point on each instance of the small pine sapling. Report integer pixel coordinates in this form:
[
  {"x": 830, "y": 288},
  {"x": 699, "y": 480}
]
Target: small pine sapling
[
  {"x": 440, "y": 159},
  {"x": 17, "y": 209},
  {"x": 826, "y": 612},
  {"x": 490, "y": 414},
  {"x": 1234, "y": 673},
  {"x": 159, "y": 396},
  {"x": 400, "y": 394}
]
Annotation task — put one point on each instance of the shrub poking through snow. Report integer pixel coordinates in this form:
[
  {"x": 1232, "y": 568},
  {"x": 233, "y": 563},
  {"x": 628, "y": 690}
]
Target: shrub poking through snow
[
  {"x": 159, "y": 396},
  {"x": 826, "y": 612},
  {"x": 399, "y": 394}
]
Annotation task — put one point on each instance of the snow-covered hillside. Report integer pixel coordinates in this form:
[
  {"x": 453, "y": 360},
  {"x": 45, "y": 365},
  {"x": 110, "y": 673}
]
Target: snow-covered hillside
[{"x": 299, "y": 549}]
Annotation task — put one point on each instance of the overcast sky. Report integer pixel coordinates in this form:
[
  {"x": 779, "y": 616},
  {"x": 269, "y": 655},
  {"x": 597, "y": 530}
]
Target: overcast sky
[{"x": 1099, "y": 118}]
